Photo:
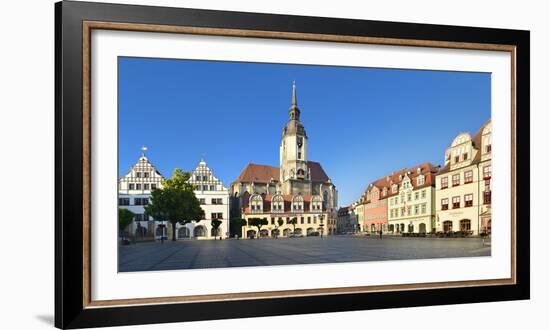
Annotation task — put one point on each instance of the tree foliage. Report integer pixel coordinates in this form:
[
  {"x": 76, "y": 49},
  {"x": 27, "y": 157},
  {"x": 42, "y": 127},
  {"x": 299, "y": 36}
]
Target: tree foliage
[
  {"x": 293, "y": 222},
  {"x": 236, "y": 226},
  {"x": 125, "y": 218},
  {"x": 175, "y": 202},
  {"x": 258, "y": 223}
]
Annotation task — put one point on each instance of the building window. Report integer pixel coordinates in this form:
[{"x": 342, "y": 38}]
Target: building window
[
  {"x": 402, "y": 211},
  {"x": 202, "y": 201},
  {"x": 124, "y": 201},
  {"x": 456, "y": 202},
  {"x": 216, "y": 201},
  {"x": 468, "y": 200},
  {"x": 299, "y": 155},
  {"x": 204, "y": 178},
  {"x": 486, "y": 197},
  {"x": 131, "y": 186},
  {"x": 153, "y": 186},
  {"x": 145, "y": 174},
  {"x": 465, "y": 156},
  {"x": 487, "y": 172},
  {"x": 423, "y": 208},
  {"x": 139, "y": 217},
  {"x": 416, "y": 209},
  {"x": 215, "y": 216},
  {"x": 444, "y": 182},
  {"x": 456, "y": 180},
  {"x": 272, "y": 221},
  {"x": 468, "y": 177},
  {"x": 444, "y": 203},
  {"x": 138, "y": 186},
  {"x": 465, "y": 225},
  {"x": 423, "y": 194},
  {"x": 138, "y": 174},
  {"x": 197, "y": 177},
  {"x": 141, "y": 201},
  {"x": 416, "y": 196},
  {"x": 212, "y": 188},
  {"x": 457, "y": 159},
  {"x": 409, "y": 197},
  {"x": 146, "y": 186},
  {"x": 488, "y": 148},
  {"x": 420, "y": 180},
  {"x": 205, "y": 187}
]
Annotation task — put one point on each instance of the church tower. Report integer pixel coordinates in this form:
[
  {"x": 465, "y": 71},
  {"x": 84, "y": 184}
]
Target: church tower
[{"x": 294, "y": 171}]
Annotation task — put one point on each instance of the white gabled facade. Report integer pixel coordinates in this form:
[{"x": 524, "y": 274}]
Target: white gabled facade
[
  {"x": 214, "y": 198},
  {"x": 134, "y": 192}
]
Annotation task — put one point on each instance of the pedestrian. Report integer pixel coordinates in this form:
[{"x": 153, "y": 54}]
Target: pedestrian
[{"x": 380, "y": 233}]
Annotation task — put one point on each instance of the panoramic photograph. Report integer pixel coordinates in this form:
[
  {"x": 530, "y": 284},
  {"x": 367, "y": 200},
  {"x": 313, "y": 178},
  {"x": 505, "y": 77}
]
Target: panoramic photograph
[{"x": 236, "y": 164}]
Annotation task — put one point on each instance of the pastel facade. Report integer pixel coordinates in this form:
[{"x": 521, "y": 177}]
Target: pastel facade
[
  {"x": 411, "y": 199},
  {"x": 297, "y": 181},
  {"x": 463, "y": 186},
  {"x": 376, "y": 207},
  {"x": 214, "y": 199}
]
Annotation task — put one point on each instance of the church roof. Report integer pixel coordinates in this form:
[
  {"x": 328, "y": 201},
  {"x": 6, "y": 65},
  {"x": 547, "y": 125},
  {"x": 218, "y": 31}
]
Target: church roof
[
  {"x": 264, "y": 173},
  {"x": 258, "y": 173}
]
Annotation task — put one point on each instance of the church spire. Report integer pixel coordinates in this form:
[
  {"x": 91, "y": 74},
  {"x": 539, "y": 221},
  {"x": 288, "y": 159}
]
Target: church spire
[
  {"x": 294, "y": 112},
  {"x": 294, "y": 102}
]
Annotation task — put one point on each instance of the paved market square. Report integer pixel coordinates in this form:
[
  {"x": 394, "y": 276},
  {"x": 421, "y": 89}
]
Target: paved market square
[{"x": 196, "y": 254}]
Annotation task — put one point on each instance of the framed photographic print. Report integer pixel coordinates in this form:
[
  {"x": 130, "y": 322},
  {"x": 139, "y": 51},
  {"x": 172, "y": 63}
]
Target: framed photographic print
[{"x": 261, "y": 164}]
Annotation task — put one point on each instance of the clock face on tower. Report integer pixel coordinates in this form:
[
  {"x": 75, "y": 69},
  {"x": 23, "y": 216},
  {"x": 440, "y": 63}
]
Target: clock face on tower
[{"x": 300, "y": 142}]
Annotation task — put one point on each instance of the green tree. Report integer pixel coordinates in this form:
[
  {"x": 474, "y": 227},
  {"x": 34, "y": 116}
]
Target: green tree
[
  {"x": 258, "y": 223},
  {"x": 175, "y": 202},
  {"x": 280, "y": 222},
  {"x": 236, "y": 226},
  {"x": 293, "y": 222},
  {"x": 215, "y": 225},
  {"x": 125, "y": 218}
]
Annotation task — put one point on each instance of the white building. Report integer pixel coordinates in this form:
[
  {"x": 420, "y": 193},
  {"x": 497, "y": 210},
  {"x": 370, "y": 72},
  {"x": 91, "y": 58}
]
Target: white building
[
  {"x": 214, "y": 199},
  {"x": 134, "y": 192}
]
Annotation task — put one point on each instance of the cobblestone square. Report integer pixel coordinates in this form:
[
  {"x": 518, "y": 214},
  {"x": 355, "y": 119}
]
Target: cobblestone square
[{"x": 196, "y": 254}]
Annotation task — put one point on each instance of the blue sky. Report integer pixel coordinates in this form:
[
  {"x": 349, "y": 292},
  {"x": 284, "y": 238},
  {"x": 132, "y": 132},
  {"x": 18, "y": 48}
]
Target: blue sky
[{"x": 362, "y": 123}]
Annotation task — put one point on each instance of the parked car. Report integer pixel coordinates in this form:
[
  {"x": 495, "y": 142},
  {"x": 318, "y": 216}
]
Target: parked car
[
  {"x": 313, "y": 233},
  {"x": 293, "y": 235}
]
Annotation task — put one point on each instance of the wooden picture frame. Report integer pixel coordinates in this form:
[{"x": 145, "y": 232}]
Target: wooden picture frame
[{"x": 74, "y": 307}]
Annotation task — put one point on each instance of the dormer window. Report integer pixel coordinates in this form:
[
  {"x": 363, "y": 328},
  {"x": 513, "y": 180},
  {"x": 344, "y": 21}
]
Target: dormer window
[
  {"x": 465, "y": 156},
  {"x": 298, "y": 203},
  {"x": 420, "y": 180},
  {"x": 256, "y": 203},
  {"x": 277, "y": 203}
]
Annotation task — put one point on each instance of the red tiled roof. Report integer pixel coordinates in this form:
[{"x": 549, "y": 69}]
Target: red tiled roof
[
  {"x": 258, "y": 173},
  {"x": 265, "y": 173},
  {"x": 427, "y": 169},
  {"x": 317, "y": 172}
]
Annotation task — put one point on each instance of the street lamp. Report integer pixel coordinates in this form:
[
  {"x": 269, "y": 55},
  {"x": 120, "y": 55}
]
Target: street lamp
[{"x": 321, "y": 217}]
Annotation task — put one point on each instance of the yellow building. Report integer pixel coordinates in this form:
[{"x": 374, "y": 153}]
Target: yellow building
[
  {"x": 463, "y": 186},
  {"x": 411, "y": 200}
]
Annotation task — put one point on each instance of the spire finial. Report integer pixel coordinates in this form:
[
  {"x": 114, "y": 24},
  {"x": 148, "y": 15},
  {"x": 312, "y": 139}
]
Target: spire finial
[
  {"x": 294, "y": 102},
  {"x": 143, "y": 150}
]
